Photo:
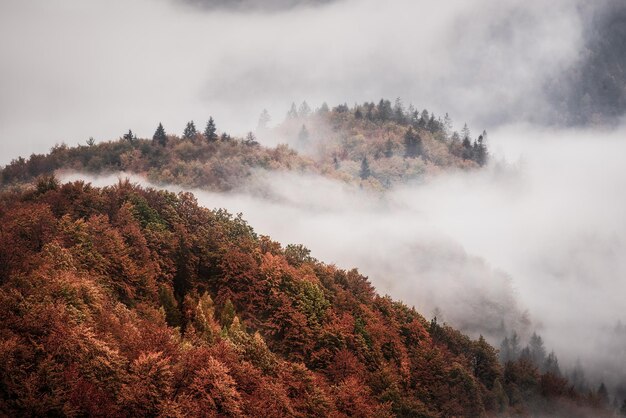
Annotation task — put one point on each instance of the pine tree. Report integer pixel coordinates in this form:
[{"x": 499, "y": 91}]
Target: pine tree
[
  {"x": 551, "y": 365},
  {"x": 303, "y": 136},
  {"x": 190, "y": 131},
  {"x": 384, "y": 110},
  {"x": 250, "y": 139},
  {"x": 603, "y": 395},
  {"x": 447, "y": 125},
  {"x": 505, "y": 351},
  {"x": 537, "y": 350},
  {"x": 159, "y": 137},
  {"x": 365, "y": 169},
  {"x": 398, "y": 111},
  {"x": 324, "y": 108},
  {"x": 210, "y": 130},
  {"x": 465, "y": 132},
  {"x": 388, "y": 148},
  {"x": 480, "y": 151},
  {"x": 412, "y": 144},
  {"x": 304, "y": 110},
  {"x": 293, "y": 112},
  {"x": 423, "y": 120},
  {"x": 130, "y": 137},
  {"x": 264, "y": 120},
  {"x": 467, "y": 152}
]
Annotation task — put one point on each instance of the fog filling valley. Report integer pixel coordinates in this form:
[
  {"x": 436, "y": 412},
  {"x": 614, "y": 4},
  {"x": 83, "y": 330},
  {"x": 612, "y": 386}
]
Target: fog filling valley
[{"x": 533, "y": 242}]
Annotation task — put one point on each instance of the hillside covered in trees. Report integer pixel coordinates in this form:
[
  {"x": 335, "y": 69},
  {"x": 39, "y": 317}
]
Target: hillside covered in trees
[
  {"x": 123, "y": 301},
  {"x": 374, "y": 145}
]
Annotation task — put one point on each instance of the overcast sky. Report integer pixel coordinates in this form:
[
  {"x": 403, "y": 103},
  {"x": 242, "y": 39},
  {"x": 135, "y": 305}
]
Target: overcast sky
[{"x": 72, "y": 69}]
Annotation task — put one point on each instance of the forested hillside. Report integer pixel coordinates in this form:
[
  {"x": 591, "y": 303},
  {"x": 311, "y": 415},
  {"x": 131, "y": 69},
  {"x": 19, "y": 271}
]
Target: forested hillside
[
  {"x": 375, "y": 145},
  {"x": 125, "y": 301}
]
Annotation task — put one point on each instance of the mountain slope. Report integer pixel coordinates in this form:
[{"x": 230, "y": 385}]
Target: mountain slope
[{"x": 124, "y": 301}]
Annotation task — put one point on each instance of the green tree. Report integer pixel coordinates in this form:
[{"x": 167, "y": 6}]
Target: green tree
[
  {"x": 480, "y": 151},
  {"x": 388, "y": 148},
  {"x": 304, "y": 110},
  {"x": 303, "y": 135},
  {"x": 190, "y": 131},
  {"x": 293, "y": 112},
  {"x": 264, "y": 120},
  {"x": 365, "y": 169},
  {"x": 129, "y": 136},
  {"x": 398, "y": 111},
  {"x": 159, "y": 137},
  {"x": 412, "y": 144},
  {"x": 603, "y": 395},
  {"x": 210, "y": 130},
  {"x": 537, "y": 350}
]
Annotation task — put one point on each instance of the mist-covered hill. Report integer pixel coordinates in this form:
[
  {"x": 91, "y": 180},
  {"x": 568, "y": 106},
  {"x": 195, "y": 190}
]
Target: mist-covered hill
[
  {"x": 123, "y": 301},
  {"x": 373, "y": 144}
]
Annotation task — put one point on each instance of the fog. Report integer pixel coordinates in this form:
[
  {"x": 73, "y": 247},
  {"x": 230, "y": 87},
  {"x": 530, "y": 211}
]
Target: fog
[
  {"x": 73, "y": 70},
  {"x": 535, "y": 241}
]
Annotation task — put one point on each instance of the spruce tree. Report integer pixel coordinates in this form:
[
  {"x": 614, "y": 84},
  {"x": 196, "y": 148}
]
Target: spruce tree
[
  {"x": 159, "y": 137},
  {"x": 129, "y": 136},
  {"x": 388, "y": 148},
  {"x": 398, "y": 111},
  {"x": 412, "y": 143},
  {"x": 210, "y": 130},
  {"x": 190, "y": 131},
  {"x": 304, "y": 110},
  {"x": 303, "y": 135},
  {"x": 264, "y": 120},
  {"x": 480, "y": 151},
  {"x": 365, "y": 169},
  {"x": 293, "y": 112}
]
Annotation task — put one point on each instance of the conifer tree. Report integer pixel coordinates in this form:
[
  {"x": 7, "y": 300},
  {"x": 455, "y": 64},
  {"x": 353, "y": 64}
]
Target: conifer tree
[
  {"x": 398, "y": 111},
  {"x": 159, "y": 137},
  {"x": 412, "y": 143},
  {"x": 190, "y": 131},
  {"x": 480, "y": 151},
  {"x": 293, "y": 112},
  {"x": 365, "y": 169},
  {"x": 250, "y": 139},
  {"x": 264, "y": 119},
  {"x": 210, "y": 130},
  {"x": 129, "y": 136},
  {"x": 303, "y": 135},
  {"x": 388, "y": 148},
  {"x": 304, "y": 110}
]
